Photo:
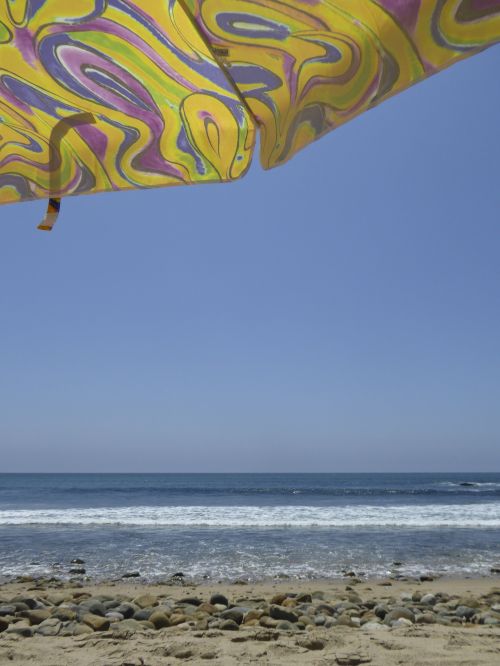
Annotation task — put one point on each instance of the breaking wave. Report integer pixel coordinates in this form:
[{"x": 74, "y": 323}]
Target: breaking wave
[{"x": 481, "y": 515}]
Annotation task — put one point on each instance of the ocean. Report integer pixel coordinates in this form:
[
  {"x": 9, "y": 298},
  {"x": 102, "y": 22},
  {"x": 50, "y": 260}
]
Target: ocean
[{"x": 249, "y": 526}]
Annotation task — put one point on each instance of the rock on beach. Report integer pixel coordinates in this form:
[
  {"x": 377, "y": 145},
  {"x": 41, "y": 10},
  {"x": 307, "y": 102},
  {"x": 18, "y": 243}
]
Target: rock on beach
[{"x": 329, "y": 625}]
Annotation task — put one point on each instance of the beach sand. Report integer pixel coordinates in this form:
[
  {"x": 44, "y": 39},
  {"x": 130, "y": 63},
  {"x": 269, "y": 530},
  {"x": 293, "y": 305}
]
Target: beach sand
[{"x": 465, "y": 642}]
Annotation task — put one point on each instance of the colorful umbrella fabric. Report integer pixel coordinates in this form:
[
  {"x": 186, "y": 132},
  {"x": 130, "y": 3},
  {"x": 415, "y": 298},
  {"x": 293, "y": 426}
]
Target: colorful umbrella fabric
[{"x": 107, "y": 95}]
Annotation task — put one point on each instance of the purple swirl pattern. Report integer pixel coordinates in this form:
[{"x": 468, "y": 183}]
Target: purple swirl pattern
[
  {"x": 304, "y": 67},
  {"x": 163, "y": 111},
  {"x": 173, "y": 90}
]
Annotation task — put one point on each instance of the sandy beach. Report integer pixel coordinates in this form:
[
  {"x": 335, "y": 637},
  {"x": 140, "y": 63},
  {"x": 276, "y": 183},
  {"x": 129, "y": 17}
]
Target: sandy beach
[{"x": 379, "y": 622}]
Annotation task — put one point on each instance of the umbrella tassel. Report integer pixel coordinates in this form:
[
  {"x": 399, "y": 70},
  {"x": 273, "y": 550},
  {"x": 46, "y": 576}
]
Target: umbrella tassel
[{"x": 51, "y": 215}]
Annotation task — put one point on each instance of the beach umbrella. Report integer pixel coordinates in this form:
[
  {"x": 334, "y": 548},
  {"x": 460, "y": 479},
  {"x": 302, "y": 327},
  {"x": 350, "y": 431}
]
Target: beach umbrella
[{"x": 110, "y": 95}]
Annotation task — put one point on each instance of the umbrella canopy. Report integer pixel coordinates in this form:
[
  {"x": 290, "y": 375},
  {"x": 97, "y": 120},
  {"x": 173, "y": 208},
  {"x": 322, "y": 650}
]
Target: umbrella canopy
[
  {"x": 104, "y": 95},
  {"x": 304, "y": 67},
  {"x": 109, "y": 95}
]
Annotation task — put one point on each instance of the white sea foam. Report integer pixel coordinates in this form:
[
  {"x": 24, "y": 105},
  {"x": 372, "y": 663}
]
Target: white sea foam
[
  {"x": 411, "y": 516},
  {"x": 464, "y": 485}
]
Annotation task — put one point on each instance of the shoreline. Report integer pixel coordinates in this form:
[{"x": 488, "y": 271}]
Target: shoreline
[
  {"x": 344, "y": 621},
  {"x": 77, "y": 575}
]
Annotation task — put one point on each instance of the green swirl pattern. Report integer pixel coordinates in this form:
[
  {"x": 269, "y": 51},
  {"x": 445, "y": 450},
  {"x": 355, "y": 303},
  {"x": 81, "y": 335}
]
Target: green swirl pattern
[
  {"x": 304, "y": 67},
  {"x": 103, "y": 95},
  {"x": 160, "y": 110}
]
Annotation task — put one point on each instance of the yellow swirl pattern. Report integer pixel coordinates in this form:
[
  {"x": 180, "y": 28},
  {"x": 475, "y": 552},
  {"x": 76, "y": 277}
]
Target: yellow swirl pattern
[
  {"x": 141, "y": 72},
  {"x": 304, "y": 67},
  {"x": 100, "y": 95}
]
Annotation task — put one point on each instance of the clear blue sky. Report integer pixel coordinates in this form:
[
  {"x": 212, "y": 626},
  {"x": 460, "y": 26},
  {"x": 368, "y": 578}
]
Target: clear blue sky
[{"x": 340, "y": 313}]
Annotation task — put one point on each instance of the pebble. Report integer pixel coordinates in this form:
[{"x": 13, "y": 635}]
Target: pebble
[
  {"x": 318, "y": 594},
  {"x": 207, "y": 608},
  {"x": 126, "y": 609},
  {"x": 465, "y": 612},
  {"x": 56, "y": 599},
  {"x": 113, "y": 616},
  {"x": 49, "y": 627},
  {"x": 73, "y": 612},
  {"x": 75, "y": 629},
  {"x": 29, "y": 601},
  {"x": 7, "y": 610},
  {"x": 192, "y": 601},
  {"x": 279, "y": 598},
  {"x": 35, "y": 616},
  {"x": 143, "y": 614},
  {"x": 490, "y": 620},
  {"x": 398, "y": 613},
  {"x": 159, "y": 620},
  {"x": 268, "y": 622},
  {"x": 304, "y": 598},
  {"x": 25, "y": 632},
  {"x": 305, "y": 620},
  {"x": 374, "y": 626},
  {"x": 429, "y": 599},
  {"x": 325, "y": 608},
  {"x": 381, "y": 611},
  {"x": 252, "y": 615},
  {"x": 235, "y": 614},
  {"x": 177, "y": 618},
  {"x": 467, "y": 602},
  {"x": 280, "y": 613},
  {"x": 127, "y": 626},
  {"x": 92, "y": 606},
  {"x": 425, "y": 618},
  {"x": 177, "y": 576},
  {"x": 284, "y": 625},
  {"x": 345, "y": 620},
  {"x": 96, "y": 622},
  {"x": 229, "y": 625},
  {"x": 145, "y": 600},
  {"x": 219, "y": 599},
  {"x": 64, "y": 614}
]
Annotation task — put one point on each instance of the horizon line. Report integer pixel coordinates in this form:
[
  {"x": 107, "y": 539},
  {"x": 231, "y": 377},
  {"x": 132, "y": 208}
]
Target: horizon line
[{"x": 259, "y": 472}]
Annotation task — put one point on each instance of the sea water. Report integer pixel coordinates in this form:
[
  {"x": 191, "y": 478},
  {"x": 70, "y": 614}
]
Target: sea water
[{"x": 249, "y": 526}]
